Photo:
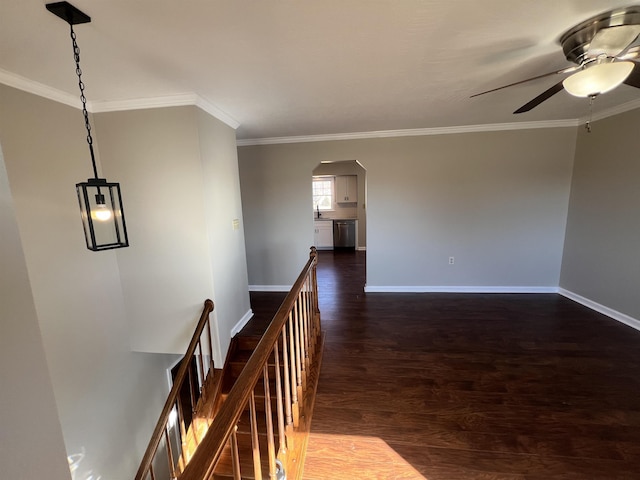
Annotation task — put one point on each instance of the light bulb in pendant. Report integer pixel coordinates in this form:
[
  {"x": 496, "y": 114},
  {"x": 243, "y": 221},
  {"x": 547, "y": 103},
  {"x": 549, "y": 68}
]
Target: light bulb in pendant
[{"x": 101, "y": 212}]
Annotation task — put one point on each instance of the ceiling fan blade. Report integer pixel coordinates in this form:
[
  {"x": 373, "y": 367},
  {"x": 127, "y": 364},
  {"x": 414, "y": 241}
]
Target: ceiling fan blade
[
  {"x": 564, "y": 70},
  {"x": 541, "y": 98},
  {"x": 612, "y": 41},
  {"x": 633, "y": 79}
]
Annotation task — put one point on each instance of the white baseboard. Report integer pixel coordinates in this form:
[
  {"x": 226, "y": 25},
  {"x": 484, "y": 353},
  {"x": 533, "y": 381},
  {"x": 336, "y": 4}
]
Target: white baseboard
[
  {"x": 270, "y": 288},
  {"x": 243, "y": 321},
  {"x": 361, "y": 249},
  {"x": 609, "y": 312},
  {"x": 457, "y": 289}
]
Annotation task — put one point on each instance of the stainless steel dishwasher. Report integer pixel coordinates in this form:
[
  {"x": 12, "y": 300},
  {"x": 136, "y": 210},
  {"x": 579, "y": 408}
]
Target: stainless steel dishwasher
[{"x": 344, "y": 234}]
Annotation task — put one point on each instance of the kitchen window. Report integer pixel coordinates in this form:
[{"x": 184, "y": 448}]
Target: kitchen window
[{"x": 323, "y": 193}]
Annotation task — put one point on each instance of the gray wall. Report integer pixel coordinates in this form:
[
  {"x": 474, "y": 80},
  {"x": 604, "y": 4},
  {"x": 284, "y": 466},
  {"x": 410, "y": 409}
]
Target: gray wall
[
  {"x": 179, "y": 175},
  {"x": 31, "y": 437},
  {"x": 165, "y": 273},
  {"x": 107, "y": 397},
  {"x": 277, "y": 211},
  {"x": 226, "y": 243},
  {"x": 496, "y": 201},
  {"x": 601, "y": 260}
]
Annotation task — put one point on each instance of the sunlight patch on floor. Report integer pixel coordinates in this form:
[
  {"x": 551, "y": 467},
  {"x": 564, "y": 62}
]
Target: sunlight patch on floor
[{"x": 349, "y": 457}]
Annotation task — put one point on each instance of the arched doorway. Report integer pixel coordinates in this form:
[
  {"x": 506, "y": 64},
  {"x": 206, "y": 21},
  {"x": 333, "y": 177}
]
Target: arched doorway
[{"x": 340, "y": 194}]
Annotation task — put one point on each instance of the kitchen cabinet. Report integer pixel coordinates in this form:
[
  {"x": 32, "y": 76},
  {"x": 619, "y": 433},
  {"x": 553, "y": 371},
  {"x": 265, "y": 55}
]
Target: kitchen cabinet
[
  {"x": 347, "y": 189},
  {"x": 323, "y": 234}
]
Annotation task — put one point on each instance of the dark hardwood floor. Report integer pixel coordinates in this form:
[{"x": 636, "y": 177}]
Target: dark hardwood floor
[{"x": 469, "y": 386}]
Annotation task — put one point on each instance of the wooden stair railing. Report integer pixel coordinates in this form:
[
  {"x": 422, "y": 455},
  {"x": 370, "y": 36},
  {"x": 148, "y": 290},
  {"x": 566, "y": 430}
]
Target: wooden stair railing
[
  {"x": 178, "y": 431},
  {"x": 268, "y": 410}
]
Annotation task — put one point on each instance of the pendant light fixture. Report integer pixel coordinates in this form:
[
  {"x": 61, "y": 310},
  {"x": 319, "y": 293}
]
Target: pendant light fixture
[{"x": 100, "y": 201}]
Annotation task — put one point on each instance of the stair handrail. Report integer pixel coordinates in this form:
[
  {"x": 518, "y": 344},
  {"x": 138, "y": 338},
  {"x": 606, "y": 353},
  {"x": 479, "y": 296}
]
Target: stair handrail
[
  {"x": 179, "y": 380},
  {"x": 211, "y": 447}
]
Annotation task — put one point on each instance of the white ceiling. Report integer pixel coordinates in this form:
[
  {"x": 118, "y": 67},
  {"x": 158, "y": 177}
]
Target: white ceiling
[{"x": 299, "y": 68}]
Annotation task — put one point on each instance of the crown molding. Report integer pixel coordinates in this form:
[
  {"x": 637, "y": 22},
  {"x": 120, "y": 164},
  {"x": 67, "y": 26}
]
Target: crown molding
[
  {"x": 178, "y": 100},
  {"x": 40, "y": 89},
  {"x": 214, "y": 111},
  {"x": 416, "y": 132},
  {"x": 610, "y": 112},
  {"x": 22, "y": 83}
]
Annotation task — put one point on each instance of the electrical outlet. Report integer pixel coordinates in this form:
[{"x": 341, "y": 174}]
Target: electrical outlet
[
  {"x": 452, "y": 260},
  {"x": 235, "y": 224}
]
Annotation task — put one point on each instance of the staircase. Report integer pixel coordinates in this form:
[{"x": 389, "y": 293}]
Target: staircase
[
  {"x": 241, "y": 349},
  {"x": 251, "y": 419}
]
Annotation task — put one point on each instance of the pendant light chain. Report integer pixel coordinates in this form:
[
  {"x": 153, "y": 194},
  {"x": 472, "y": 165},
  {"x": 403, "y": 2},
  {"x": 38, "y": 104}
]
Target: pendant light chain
[{"x": 83, "y": 99}]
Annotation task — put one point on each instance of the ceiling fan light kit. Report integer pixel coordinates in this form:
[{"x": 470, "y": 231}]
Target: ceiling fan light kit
[
  {"x": 597, "y": 78},
  {"x": 605, "y": 51}
]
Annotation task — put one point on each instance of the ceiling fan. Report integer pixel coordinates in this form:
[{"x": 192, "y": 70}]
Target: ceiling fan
[{"x": 602, "y": 49}]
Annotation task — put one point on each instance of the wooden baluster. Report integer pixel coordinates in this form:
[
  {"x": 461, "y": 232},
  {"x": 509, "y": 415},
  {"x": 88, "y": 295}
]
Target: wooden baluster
[
  {"x": 309, "y": 329},
  {"x": 304, "y": 340},
  {"x": 193, "y": 411},
  {"x": 161, "y": 430},
  {"x": 307, "y": 336},
  {"x": 312, "y": 314},
  {"x": 183, "y": 433},
  {"x": 172, "y": 468},
  {"x": 200, "y": 361},
  {"x": 302, "y": 374},
  {"x": 287, "y": 384},
  {"x": 271, "y": 447},
  {"x": 299, "y": 362},
  {"x": 303, "y": 321},
  {"x": 279, "y": 404},
  {"x": 235, "y": 456},
  {"x": 195, "y": 424},
  {"x": 211, "y": 367},
  {"x": 294, "y": 382},
  {"x": 307, "y": 319},
  {"x": 202, "y": 376},
  {"x": 257, "y": 468},
  {"x": 314, "y": 281},
  {"x": 191, "y": 394}
]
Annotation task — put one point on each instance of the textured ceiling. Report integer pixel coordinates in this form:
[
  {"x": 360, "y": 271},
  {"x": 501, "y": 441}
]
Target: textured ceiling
[{"x": 299, "y": 68}]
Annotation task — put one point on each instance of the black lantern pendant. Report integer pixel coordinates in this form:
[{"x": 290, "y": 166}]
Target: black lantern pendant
[{"x": 100, "y": 201}]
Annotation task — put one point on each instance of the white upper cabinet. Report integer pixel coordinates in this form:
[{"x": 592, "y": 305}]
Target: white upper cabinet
[{"x": 347, "y": 189}]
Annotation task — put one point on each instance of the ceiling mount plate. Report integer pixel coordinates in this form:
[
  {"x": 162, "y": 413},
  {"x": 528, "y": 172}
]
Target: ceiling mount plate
[{"x": 68, "y": 13}]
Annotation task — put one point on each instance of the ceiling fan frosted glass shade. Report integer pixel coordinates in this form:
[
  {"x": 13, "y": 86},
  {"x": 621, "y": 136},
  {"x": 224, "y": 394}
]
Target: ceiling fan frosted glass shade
[{"x": 596, "y": 79}]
